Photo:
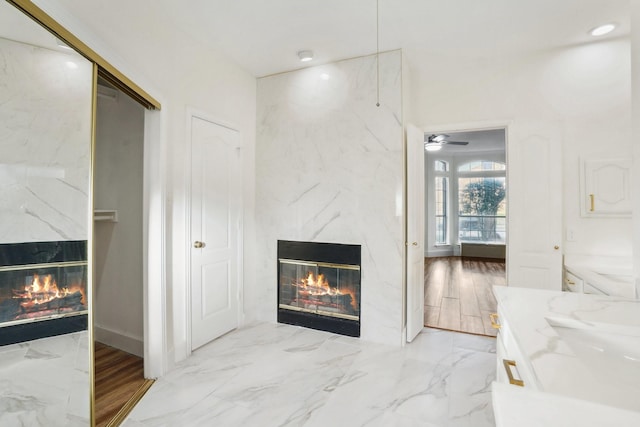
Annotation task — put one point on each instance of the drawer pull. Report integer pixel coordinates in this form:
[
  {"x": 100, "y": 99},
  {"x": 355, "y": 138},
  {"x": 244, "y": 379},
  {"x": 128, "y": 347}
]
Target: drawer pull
[
  {"x": 494, "y": 320},
  {"x": 570, "y": 282},
  {"x": 507, "y": 366}
]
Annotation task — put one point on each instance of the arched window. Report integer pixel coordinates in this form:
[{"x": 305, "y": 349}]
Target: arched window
[
  {"x": 481, "y": 166},
  {"x": 482, "y": 201}
]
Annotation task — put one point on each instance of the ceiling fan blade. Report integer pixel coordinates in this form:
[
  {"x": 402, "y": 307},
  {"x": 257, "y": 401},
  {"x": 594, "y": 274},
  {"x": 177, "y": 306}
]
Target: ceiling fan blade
[
  {"x": 436, "y": 138},
  {"x": 456, "y": 142}
]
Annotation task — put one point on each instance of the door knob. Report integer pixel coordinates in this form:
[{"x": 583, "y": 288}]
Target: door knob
[
  {"x": 199, "y": 245},
  {"x": 415, "y": 243},
  {"x": 556, "y": 247}
]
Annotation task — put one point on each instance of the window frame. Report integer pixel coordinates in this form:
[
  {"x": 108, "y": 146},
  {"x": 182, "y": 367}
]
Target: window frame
[{"x": 445, "y": 173}]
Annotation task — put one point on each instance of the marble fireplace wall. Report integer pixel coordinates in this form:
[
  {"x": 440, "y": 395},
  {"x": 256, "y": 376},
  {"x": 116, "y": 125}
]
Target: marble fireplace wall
[
  {"x": 45, "y": 141},
  {"x": 329, "y": 168}
]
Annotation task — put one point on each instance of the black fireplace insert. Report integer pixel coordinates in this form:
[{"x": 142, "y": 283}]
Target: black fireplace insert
[
  {"x": 43, "y": 290},
  {"x": 319, "y": 286}
]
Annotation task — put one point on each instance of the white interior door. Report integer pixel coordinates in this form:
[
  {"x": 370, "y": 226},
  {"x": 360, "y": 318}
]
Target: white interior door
[
  {"x": 215, "y": 225},
  {"x": 534, "y": 258},
  {"x": 415, "y": 231}
]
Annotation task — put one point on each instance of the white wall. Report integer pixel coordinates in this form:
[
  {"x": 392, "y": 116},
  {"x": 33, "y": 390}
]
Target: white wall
[
  {"x": 118, "y": 183},
  {"x": 597, "y": 113},
  {"x": 586, "y": 88},
  {"x": 331, "y": 170},
  {"x": 181, "y": 73}
]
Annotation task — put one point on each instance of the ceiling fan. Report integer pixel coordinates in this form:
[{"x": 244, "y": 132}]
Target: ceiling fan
[{"x": 435, "y": 142}]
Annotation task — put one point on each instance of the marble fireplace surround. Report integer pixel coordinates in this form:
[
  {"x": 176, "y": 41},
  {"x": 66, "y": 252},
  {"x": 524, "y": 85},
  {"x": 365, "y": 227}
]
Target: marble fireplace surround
[{"x": 330, "y": 169}]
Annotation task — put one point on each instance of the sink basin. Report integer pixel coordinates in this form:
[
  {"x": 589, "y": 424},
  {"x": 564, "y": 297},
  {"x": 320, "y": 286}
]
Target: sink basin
[{"x": 608, "y": 350}]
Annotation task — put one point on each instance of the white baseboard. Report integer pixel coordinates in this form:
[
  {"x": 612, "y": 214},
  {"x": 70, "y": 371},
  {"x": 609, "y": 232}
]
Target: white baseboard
[
  {"x": 439, "y": 252},
  {"x": 131, "y": 345}
]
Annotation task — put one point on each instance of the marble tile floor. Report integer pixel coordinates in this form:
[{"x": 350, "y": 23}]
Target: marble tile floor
[
  {"x": 280, "y": 375},
  {"x": 45, "y": 382}
]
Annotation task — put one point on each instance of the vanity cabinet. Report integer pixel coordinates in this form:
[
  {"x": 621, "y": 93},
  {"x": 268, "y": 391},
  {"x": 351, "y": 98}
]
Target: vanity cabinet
[
  {"x": 573, "y": 372},
  {"x": 606, "y": 188}
]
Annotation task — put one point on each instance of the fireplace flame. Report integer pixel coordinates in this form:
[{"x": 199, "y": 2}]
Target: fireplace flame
[
  {"x": 320, "y": 286},
  {"x": 43, "y": 290}
]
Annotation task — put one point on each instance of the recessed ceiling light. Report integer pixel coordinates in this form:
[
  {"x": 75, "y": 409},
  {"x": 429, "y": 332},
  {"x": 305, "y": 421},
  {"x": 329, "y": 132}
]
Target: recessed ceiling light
[
  {"x": 602, "y": 30},
  {"x": 325, "y": 76},
  {"x": 305, "y": 55},
  {"x": 71, "y": 64}
]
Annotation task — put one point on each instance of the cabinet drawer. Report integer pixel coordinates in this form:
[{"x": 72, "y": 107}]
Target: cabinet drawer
[
  {"x": 510, "y": 360},
  {"x": 501, "y": 354},
  {"x": 572, "y": 283}
]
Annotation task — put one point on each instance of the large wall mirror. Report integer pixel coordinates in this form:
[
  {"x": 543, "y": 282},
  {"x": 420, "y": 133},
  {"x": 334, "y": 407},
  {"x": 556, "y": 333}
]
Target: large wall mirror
[
  {"x": 46, "y": 96},
  {"x": 71, "y": 292}
]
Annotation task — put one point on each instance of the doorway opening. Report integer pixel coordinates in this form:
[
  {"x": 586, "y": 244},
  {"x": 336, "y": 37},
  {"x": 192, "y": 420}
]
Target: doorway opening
[
  {"x": 118, "y": 252},
  {"x": 466, "y": 228}
]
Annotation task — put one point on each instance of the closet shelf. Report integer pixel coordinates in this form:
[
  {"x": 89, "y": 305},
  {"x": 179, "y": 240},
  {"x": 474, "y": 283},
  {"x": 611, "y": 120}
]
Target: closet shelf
[{"x": 105, "y": 215}]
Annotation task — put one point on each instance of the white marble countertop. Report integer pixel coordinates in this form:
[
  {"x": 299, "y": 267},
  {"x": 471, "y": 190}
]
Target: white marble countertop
[
  {"x": 611, "y": 274},
  {"x": 604, "y": 369}
]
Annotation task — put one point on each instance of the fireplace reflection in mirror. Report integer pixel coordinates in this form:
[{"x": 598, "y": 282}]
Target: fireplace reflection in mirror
[{"x": 43, "y": 294}]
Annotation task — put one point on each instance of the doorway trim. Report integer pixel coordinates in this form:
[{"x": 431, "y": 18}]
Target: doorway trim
[
  {"x": 154, "y": 276},
  {"x": 192, "y": 112}
]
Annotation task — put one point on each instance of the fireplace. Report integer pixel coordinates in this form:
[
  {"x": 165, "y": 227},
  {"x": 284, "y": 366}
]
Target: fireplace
[
  {"x": 319, "y": 286},
  {"x": 43, "y": 290}
]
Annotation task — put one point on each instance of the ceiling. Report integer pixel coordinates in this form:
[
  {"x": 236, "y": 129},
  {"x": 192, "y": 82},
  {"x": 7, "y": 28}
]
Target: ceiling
[{"x": 264, "y": 36}]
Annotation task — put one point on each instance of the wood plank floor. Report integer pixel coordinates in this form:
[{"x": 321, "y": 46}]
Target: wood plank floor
[
  {"x": 118, "y": 376},
  {"x": 457, "y": 293}
]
